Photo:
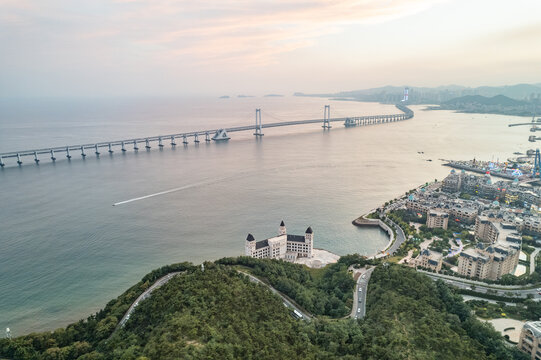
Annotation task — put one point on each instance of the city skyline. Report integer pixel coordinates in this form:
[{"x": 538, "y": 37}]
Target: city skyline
[{"x": 142, "y": 48}]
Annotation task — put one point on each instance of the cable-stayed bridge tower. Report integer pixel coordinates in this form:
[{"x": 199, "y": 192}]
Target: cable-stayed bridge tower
[{"x": 327, "y": 117}]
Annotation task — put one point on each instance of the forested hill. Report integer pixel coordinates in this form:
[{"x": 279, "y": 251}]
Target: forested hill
[
  {"x": 219, "y": 314},
  {"x": 498, "y": 100}
]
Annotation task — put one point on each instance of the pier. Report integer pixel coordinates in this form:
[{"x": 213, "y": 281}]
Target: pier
[{"x": 208, "y": 135}]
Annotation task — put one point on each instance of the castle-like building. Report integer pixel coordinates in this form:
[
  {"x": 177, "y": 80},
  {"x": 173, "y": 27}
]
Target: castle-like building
[{"x": 284, "y": 246}]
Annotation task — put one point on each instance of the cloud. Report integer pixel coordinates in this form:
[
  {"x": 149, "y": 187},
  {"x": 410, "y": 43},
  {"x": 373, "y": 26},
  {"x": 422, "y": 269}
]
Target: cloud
[{"x": 206, "y": 32}]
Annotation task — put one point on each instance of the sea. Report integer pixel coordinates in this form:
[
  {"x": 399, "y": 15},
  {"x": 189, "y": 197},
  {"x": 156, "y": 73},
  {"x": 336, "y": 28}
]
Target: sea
[{"x": 65, "y": 250}]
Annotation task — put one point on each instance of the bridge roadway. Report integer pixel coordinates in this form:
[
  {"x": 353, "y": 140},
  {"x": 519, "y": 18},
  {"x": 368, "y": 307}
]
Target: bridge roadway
[{"x": 146, "y": 141}]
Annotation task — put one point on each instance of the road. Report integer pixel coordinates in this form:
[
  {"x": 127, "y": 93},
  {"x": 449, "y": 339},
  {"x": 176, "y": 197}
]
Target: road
[
  {"x": 287, "y": 302},
  {"x": 532, "y": 259},
  {"x": 161, "y": 281},
  {"x": 499, "y": 290},
  {"x": 358, "y": 310},
  {"x": 400, "y": 237}
]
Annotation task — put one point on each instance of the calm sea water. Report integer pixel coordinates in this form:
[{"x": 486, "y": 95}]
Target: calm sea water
[{"x": 65, "y": 250}]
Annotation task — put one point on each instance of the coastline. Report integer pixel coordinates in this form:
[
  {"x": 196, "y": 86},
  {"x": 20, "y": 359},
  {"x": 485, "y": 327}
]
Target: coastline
[{"x": 362, "y": 221}]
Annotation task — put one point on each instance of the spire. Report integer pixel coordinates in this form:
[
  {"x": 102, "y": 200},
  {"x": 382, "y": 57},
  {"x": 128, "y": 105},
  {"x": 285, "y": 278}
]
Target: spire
[
  {"x": 309, "y": 230},
  {"x": 250, "y": 237},
  {"x": 282, "y": 223}
]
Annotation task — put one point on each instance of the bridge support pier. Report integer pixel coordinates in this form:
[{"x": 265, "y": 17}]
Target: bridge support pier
[
  {"x": 83, "y": 151},
  {"x": 110, "y": 149},
  {"x": 68, "y": 152},
  {"x": 52, "y": 155},
  {"x": 147, "y": 146},
  {"x": 184, "y": 139},
  {"x": 173, "y": 143},
  {"x": 207, "y": 137},
  {"x": 196, "y": 138},
  {"x": 135, "y": 148},
  {"x": 123, "y": 147},
  {"x": 258, "y": 126},
  {"x": 36, "y": 157},
  {"x": 96, "y": 150},
  {"x": 2, "y": 162},
  {"x": 160, "y": 142},
  {"x": 327, "y": 117},
  {"x": 19, "y": 159}
]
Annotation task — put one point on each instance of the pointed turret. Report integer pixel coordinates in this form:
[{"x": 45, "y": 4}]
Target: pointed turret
[{"x": 282, "y": 228}]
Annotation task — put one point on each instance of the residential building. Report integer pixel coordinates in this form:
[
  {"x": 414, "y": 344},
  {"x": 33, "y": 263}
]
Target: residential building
[
  {"x": 485, "y": 230},
  {"x": 464, "y": 215},
  {"x": 532, "y": 225},
  {"x": 437, "y": 219},
  {"x": 530, "y": 339},
  {"x": 452, "y": 183},
  {"x": 429, "y": 259}
]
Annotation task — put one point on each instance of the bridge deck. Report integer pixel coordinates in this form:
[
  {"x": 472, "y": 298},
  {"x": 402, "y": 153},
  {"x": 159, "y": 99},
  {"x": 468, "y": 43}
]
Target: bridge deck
[{"x": 407, "y": 113}]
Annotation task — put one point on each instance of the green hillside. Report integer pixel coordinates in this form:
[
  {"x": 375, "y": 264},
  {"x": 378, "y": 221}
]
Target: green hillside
[{"x": 219, "y": 314}]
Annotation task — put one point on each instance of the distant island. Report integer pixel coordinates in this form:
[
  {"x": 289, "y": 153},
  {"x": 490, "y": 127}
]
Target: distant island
[
  {"x": 224, "y": 97},
  {"x": 245, "y": 96},
  {"x": 274, "y": 95},
  {"x": 520, "y": 99}
]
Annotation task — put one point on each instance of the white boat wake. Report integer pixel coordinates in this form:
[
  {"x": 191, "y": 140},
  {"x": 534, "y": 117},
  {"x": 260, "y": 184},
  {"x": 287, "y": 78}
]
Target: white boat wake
[
  {"x": 171, "y": 191},
  {"x": 208, "y": 182}
]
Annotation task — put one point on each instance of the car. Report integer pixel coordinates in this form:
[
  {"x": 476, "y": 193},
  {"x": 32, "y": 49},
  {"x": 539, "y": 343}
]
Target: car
[
  {"x": 360, "y": 290},
  {"x": 358, "y": 310},
  {"x": 364, "y": 276}
]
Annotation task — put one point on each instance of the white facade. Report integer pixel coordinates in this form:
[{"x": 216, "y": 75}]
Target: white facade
[{"x": 283, "y": 246}]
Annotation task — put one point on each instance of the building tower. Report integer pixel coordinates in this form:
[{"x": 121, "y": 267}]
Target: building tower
[
  {"x": 282, "y": 229},
  {"x": 249, "y": 246},
  {"x": 406, "y": 94},
  {"x": 8, "y": 333},
  {"x": 309, "y": 240}
]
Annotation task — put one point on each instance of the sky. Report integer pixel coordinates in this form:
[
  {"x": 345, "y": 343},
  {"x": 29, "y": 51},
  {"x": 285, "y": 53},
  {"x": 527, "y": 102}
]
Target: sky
[{"x": 96, "y": 48}]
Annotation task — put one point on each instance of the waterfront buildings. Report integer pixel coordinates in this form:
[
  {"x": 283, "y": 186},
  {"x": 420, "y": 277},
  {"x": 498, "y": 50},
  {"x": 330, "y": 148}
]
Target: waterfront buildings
[
  {"x": 459, "y": 210},
  {"x": 284, "y": 246},
  {"x": 498, "y": 224},
  {"x": 437, "y": 219},
  {"x": 530, "y": 339},
  {"x": 510, "y": 192}
]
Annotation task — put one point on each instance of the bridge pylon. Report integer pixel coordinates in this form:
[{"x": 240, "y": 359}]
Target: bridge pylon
[
  {"x": 327, "y": 117},
  {"x": 258, "y": 125}
]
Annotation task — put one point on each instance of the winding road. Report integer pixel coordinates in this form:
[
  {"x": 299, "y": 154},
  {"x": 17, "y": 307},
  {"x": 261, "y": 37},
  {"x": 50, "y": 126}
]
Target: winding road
[
  {"x": 287, "y": 302},
  {"x": 358, "y": 310},
  {"x": 145, "y": 295}
]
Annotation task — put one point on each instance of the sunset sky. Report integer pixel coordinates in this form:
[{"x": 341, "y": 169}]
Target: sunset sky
[{"x": 216, "y": 47}]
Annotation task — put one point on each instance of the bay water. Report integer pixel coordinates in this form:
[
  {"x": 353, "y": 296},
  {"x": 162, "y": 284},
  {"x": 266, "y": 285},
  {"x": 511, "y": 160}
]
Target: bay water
[{"x": 65, "y": 250}]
